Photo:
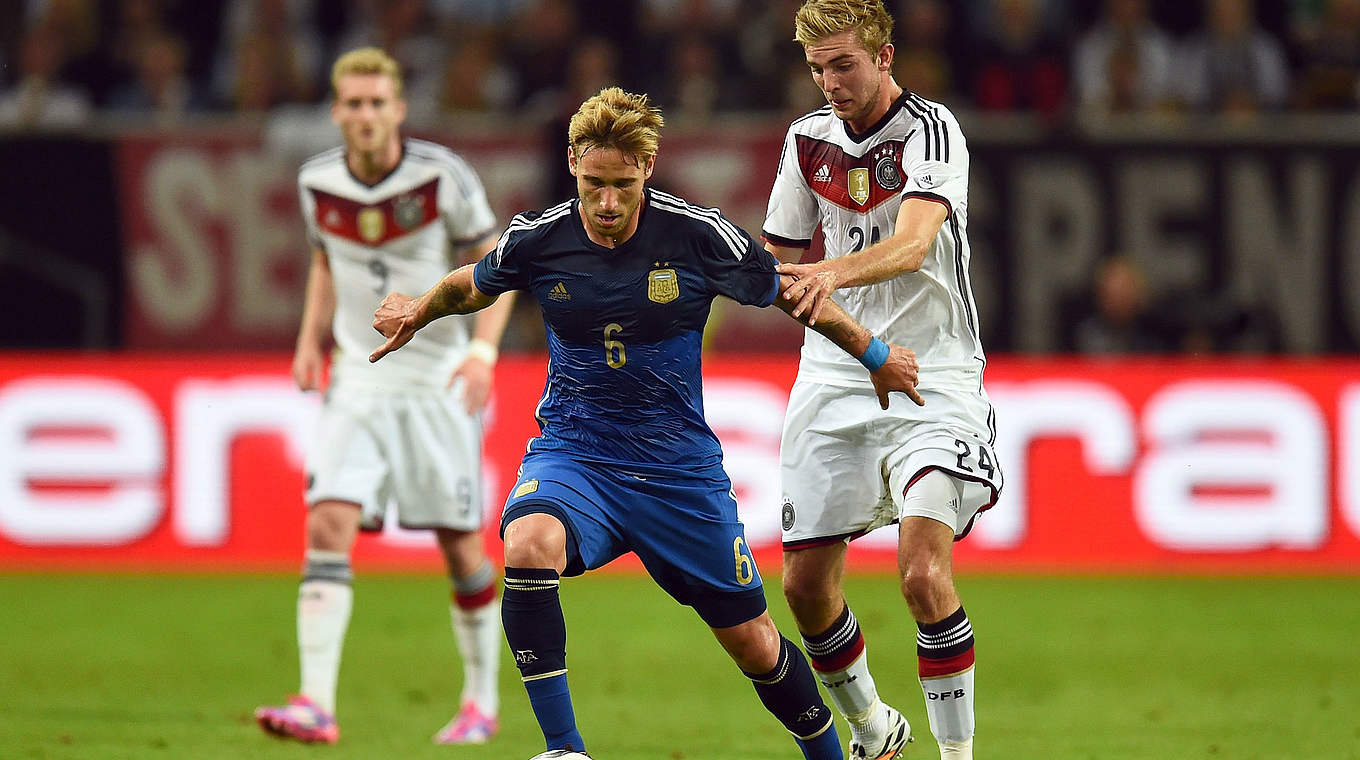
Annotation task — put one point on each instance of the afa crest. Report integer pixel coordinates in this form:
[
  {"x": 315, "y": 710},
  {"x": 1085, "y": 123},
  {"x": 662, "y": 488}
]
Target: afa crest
[
  {"x": 858, "y": 183},
  {"x": 371, "y": 224},
  {"x": 662, "y": 285}
]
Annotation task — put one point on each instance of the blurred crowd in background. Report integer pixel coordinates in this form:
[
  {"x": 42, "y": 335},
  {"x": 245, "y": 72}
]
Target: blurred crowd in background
[
  {"x": 65, "y": 63},
  {"x": 1056, "y": 65}
]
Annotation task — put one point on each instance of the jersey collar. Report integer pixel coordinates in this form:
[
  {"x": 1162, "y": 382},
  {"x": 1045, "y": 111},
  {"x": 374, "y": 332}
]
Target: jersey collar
[
  {"x": 584, "y": 236},
  {"x": 370, "y": 185},
  {"x": 896, "y": 106}
]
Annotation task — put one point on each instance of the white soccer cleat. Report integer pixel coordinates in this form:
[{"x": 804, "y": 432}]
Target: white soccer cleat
[
  {"x": 561, "y": 754},
  {"x": 897, "y": 737}
]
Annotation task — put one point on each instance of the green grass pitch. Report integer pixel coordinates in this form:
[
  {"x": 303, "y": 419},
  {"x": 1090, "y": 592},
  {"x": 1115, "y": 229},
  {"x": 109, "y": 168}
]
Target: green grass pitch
[{"x": 1100, "y": 668}]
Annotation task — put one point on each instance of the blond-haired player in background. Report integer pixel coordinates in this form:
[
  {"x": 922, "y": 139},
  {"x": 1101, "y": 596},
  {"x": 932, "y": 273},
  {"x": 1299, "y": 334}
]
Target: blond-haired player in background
[
  {"x": 884, "y": 172},
  {"x": 385, "y": 213}
]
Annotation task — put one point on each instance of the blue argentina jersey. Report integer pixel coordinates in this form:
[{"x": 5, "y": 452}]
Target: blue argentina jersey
[{"x": 625, "y": 324}]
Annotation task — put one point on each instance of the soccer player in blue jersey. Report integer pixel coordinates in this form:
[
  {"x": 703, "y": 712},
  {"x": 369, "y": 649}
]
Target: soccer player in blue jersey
[{"x": 626, "y": 462}]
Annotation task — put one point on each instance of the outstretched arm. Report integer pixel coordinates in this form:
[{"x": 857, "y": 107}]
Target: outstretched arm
[
  {"x": 309, "y": 356},
  {"x": 918, "y": 222},
  {"x": 891, "y": 368},
  {"x": 400, "y": 316}
]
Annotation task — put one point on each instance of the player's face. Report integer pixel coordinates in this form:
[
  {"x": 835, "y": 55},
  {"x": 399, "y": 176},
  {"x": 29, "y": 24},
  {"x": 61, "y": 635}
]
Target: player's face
[
  {"x": 850, "y": 77},
  {"x": 368, "y": 111},
  {"x": 610, "y": 184}
]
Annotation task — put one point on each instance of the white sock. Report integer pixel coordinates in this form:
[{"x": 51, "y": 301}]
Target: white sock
[
  {"x": 949, "y": 705},
  {"x": 476, "y": 617},
  {"x": 324, "y": 605},
  {"x": 956, "y": 750},
  {"x": 850, "y": 686},
  {"x": 853, "y": 692},
  {"x": 478, "y": 632}
]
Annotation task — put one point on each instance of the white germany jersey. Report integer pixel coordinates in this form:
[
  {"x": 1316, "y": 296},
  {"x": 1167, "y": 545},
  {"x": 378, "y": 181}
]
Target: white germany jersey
[
  {"x": 400, "y": 234},
  {"x": 853, "y": 186}
]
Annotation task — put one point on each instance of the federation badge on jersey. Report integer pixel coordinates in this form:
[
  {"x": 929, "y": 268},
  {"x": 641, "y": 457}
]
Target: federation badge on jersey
[
  {"x": 371, "y": 224},
  {"x": 663, "y": 286},
  {"x": 887, "y": 174},
  {"x": 408, "y": 210},
  {"x": 858, "y": 182}
]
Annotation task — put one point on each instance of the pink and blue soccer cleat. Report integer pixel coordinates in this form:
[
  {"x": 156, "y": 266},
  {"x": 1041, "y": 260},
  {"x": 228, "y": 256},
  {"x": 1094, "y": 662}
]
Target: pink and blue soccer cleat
[
  {"x": 300, "y": 719},
  {"x": 469, "y": 726}
]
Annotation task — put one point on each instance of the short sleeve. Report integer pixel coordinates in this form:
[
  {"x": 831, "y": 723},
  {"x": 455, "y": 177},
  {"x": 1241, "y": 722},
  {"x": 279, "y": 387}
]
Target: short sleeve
[
  {"x": 935, "y": 158},
  {"x": 307, "y": 203},
  {"x": 503, "y": 268},
  {"x": 737, "y": 266},
  {"x": 464, "y": 208},
  {"x": 791, "y": 216}
]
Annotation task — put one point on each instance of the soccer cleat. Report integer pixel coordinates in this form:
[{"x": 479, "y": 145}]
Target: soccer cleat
[
  {"x": 560, "y": 754},
  {"x": 300, "y": 719},
  {"x": 469, "y": 726},
  {"x": 894, "y": 741}
]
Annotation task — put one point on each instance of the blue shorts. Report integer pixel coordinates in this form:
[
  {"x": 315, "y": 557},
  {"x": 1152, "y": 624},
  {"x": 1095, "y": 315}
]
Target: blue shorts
[{"x": 682, "y": 525}]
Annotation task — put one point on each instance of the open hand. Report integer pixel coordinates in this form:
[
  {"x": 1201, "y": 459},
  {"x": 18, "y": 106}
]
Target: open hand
[
  {"x": 898, "y": 373},
  {"x": 477, "y": 375}
]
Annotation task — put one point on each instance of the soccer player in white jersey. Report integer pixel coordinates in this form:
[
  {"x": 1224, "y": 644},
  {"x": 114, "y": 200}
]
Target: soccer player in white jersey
[
  {"x": 884, "y": 172},
  {"x": 385, "y": 213}
]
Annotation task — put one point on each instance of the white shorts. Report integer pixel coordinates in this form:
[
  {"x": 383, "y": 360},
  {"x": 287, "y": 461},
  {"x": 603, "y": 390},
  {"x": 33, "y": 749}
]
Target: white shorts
[
  {"x": 420, "y": 450},
  {"x": 846, "y": 464}
]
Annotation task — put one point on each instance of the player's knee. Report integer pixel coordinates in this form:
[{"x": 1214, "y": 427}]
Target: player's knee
[
  {"x": 923, "y": 580},
  {"x": 331, "y": 526},
  {"x": 808, "y": 595},
  {"x": 536, "y": 541},
  {"x": 753, "y": 645}
]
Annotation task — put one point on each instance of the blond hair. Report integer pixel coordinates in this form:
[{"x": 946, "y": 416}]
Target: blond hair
[
  {"x": 366, "y": 60},
  {"x": 868, "y": 19},
  {"x": 616, "y": 119}
]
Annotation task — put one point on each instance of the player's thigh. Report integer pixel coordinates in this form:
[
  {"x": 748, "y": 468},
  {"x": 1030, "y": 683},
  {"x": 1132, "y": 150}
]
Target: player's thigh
[
  {"x": 345, "y": 462},
  {"x": 687, "y": 533},
  {"x": 581, "y": 497},
  {"x": 433, "y": 447},
  {"x": 830, "y": 466},
  {"x": 957, "y": 442}
]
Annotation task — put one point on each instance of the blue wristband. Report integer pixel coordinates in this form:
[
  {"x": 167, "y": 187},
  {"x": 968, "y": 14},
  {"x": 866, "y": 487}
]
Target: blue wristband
[{"x": 874, "y": 356}]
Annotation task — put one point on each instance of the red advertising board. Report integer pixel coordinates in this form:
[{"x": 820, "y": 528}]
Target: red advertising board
[{"x": 195, "y": 462}]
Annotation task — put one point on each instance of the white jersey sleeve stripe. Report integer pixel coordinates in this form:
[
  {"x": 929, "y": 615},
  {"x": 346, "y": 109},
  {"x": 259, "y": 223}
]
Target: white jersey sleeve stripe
[
  {"x": 711, "y": 217},
  {"x": 522, "y": 222},
  {"x": 729, "y": 230}
]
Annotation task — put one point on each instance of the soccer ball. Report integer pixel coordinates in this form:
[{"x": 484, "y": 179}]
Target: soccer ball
[{"x": 561, "y": 754}]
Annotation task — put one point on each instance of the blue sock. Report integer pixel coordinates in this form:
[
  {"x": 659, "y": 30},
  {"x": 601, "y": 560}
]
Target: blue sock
[
  {"x": 551, "y": 700},
  {"x": 532, "y": 615},
  {"x": 789, "y": 692},
  {"x": 826, "y": 746}
]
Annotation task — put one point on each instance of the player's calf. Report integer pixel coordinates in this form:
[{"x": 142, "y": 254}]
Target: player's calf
[
  {"x": 531, "y": 612},
  {"x": 789, "y": 692}
]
